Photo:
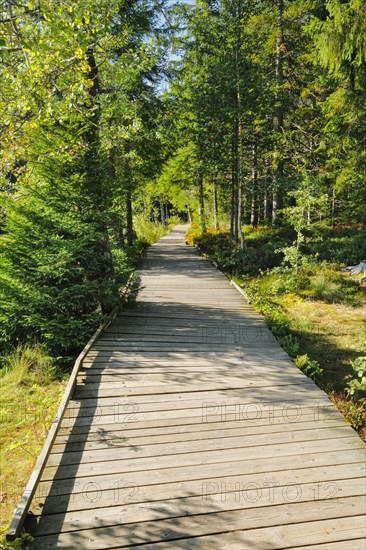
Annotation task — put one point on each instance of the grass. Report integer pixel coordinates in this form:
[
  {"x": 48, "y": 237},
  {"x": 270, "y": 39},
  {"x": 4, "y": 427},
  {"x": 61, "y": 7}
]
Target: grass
[
  {"x": 332, "y": 334},
  {"x": 30, "y": 395}
]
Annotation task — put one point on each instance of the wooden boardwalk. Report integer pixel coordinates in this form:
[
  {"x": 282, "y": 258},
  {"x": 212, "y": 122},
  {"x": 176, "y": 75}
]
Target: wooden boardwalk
[{"x": 190, "y": 428}]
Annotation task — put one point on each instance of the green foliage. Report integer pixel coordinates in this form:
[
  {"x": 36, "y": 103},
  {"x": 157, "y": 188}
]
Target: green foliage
[
  {"x": 346, "y": 245},
  {"x": 78, "y": 131},
  {"x": 18, "y": 543},
  {"x": 308, "y": 366},
  {"x": 353, "y": 412},
  {"x": 259, "y": 254},
  {"x": 54, "y": 277},
  {"x": 193, "y": 233},
  {"x": 149, "y": 231},
  {"x": 290, "y": 344},
  {"x": 358, "y": 384}
]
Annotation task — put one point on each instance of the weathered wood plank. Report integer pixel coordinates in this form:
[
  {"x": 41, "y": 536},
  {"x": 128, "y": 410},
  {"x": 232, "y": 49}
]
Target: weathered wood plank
[
  {"x": 114, "y": 438},
  {"x": 187, "y": 466},
  {"x": 126, "y": 449},
  {"x": 193, "y": 430},
  {"x": 130, "y": 420},
  {"x": 235, "y": 497},
  {"x": 179, "y": 528},
  {"x": 124, "y": 490}
]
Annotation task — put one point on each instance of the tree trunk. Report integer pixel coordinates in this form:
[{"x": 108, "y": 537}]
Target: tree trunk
[
  {"x": 215, "y": 205},
  {"x": 189, "y": 214},
  {"x": 240, "y": 153},
  {"x": 279, "y": 116},
  {"x": 254, "y": 205},
  {"x": 129, "y": 223},
  {"x": 333, "y": 207},
  {"x": 274, "y": 206},
  {"x": 266, "y": 200},
  {"x": 240, "y": 216},
  {"x": 201, "y": 202},
  {"x": 234, "y": 188},
  {"x": 162, "y": 213}
]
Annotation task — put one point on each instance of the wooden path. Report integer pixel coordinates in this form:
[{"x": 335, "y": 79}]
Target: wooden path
[{"x": 190, "y": 428}]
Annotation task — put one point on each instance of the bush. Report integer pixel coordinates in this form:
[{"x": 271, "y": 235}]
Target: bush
[
  {"x": 149, "y": 231},
  {"x": 214, "y": 242},
  {"x": 258, "y": 255},
  {"x": 345, "y": 245},
  {"x": 309, "y": 366},
  {"x": 358, "y": 384},
  {"x": 193, "y": 232},
  {"x": 55, "y": 269},
  {"x": 290, "y": 344}
]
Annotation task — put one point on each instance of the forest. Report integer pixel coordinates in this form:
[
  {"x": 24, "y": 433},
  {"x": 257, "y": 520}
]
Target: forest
[
  {"x": 243, "y": 118},
  {"x": 121, "y": 115}
]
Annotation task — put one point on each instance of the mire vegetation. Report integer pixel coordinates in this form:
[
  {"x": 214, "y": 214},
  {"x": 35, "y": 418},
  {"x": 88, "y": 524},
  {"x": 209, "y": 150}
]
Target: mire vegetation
[
  {"x": 31, "y": 390},
  {"x": 317, "y": 312}
]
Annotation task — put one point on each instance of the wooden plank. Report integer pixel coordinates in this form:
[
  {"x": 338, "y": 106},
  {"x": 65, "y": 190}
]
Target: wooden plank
[
  {"x": 132, "y": 413},
  {"x": 191, "y": 426},
  {"x": 178, "y": 528},
  {"x": 112, "y": 438},
  {"x": 234, "y": 498},
  {"x": 125, "y": 490},
  {"x": 129, "y": 419},
  {"x": 247, "y": 402},
  {"x": 120, "y": 387},
  {"x": 95, "y": 377},
  {"x": 236, "y": 448},
  {"x": 182, "y": 481}
]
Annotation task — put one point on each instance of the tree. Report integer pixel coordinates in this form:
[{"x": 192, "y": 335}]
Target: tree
[{"x": 64, "y": 67}]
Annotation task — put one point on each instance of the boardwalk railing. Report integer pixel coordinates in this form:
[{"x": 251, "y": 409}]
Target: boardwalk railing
[{"x": 22, "y": 509}]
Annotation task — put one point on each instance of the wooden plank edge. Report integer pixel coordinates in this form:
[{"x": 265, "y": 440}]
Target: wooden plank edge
[
  {"x": 21, "y": 511},
  {"x": 214, "y": 264},
  {"x": 239, "y": 289}
]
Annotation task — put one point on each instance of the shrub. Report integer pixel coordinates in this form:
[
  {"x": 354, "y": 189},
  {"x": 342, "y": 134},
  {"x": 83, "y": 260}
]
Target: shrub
[
  {"x": 346, "y": 245},
  {"x": 193, "y": 232},
  {"x": 149, "y": 231},
  {"x": 290, "y": 344},
  {"x": 358, "y": 384},
  {"x": 353, "y": 412},
  {"x": 308, "y": 366}
]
